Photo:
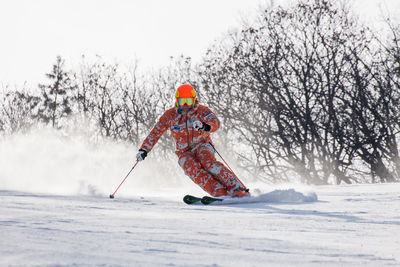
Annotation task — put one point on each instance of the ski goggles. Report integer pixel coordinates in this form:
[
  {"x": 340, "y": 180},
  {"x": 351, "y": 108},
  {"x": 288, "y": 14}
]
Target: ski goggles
[{"x": 185, "y": 100}]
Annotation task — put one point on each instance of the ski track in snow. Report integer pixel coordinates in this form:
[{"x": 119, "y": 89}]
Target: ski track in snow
[{"x": 355, "y": 225}]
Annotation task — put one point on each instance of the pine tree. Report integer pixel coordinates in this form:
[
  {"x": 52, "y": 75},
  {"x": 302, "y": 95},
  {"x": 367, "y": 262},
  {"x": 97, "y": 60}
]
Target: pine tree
[{"x": 57, "y": 95}]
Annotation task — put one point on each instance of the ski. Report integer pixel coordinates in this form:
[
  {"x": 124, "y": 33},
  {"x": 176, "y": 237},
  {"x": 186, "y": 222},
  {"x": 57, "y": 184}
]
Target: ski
[
  {"x": 276, "y": 196},
  {"x": 189, "y": 199},
  {"x": 206, "y": 200}
]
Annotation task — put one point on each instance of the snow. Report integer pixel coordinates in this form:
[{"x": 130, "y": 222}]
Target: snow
[
  {"x": 349, "y": 225},
  {"x": 55, "y": 210}
]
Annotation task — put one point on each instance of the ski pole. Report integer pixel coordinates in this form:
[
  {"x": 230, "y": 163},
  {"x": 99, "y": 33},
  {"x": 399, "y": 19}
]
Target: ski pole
[
  {"x": 112, "y": 195},
  {"x": 228, "y": 166}
]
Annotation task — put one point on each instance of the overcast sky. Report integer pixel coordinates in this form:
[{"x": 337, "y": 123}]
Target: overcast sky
[{"x": 34, "y": 32}]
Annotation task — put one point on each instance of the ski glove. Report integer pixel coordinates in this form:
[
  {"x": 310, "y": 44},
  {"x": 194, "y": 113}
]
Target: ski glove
[
  {"x": 141, "y": 155},
  {"x": 201, "y": 126}
]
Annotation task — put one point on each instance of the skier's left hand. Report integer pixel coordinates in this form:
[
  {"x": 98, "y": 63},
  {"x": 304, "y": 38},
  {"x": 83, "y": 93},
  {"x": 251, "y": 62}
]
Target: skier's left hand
[{"x": 198, "y": 125}]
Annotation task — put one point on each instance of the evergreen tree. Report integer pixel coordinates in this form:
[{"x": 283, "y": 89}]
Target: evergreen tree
[{"x": 57, "y": 95}]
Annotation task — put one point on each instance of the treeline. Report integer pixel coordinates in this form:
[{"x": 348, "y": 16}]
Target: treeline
[{"x": 305, "y": 92}]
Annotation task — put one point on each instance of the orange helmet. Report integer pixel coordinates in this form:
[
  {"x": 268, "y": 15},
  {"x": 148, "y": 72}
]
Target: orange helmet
[{"x": 185, "y": 94}]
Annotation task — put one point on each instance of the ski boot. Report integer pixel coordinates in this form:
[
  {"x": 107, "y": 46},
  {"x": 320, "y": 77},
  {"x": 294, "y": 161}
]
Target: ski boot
[
  {"x": 221, "y": 192},
  {"x": 240, "y": 192}
]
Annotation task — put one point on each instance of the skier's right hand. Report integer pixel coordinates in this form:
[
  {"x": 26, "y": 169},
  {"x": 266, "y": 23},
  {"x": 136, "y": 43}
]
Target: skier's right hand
[{"x": 141, "y": 155}]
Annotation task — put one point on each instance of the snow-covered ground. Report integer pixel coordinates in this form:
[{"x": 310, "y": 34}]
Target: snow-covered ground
[
  {"x": 55, "y": 210},
  {"x": 356, "y": 225}
]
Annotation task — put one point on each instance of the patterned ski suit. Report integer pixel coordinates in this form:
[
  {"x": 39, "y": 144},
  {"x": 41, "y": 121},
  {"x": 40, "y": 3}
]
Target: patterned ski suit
[{"x": 193, "y": 148}]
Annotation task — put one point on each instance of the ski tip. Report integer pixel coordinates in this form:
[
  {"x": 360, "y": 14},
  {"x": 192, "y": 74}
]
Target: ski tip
[{"x": 189, "y": 199}]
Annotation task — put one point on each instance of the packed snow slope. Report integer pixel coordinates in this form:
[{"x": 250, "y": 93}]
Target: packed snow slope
[
  {"x": 55, "y": 210},
  {"x": 356, "y": 225}
]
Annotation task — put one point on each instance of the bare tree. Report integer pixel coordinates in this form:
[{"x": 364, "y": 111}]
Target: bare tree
[
  {"x": 284, "y": 84},
  {"x": 100, "y": 95},
  {"x": 17, "y": 111},
  {"x": 375, "y": 110}
]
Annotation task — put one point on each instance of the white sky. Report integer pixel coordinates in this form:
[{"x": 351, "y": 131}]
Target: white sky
[{"x": 34, "y": 32}]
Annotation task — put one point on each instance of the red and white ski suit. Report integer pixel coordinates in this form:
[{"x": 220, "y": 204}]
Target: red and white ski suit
[{"x": 193, "y": 148}]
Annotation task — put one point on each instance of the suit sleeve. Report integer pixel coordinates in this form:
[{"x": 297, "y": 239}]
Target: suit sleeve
[
  {"x": 211, "y": 119},
  {"x": 158, "y": 130}
]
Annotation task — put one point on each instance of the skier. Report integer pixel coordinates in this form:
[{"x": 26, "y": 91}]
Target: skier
[{"x": 191, "y": 124}]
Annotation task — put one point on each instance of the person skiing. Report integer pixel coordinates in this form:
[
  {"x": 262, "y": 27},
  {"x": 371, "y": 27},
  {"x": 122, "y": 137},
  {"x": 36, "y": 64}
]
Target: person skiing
[{"x": 191, "y": 124}]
